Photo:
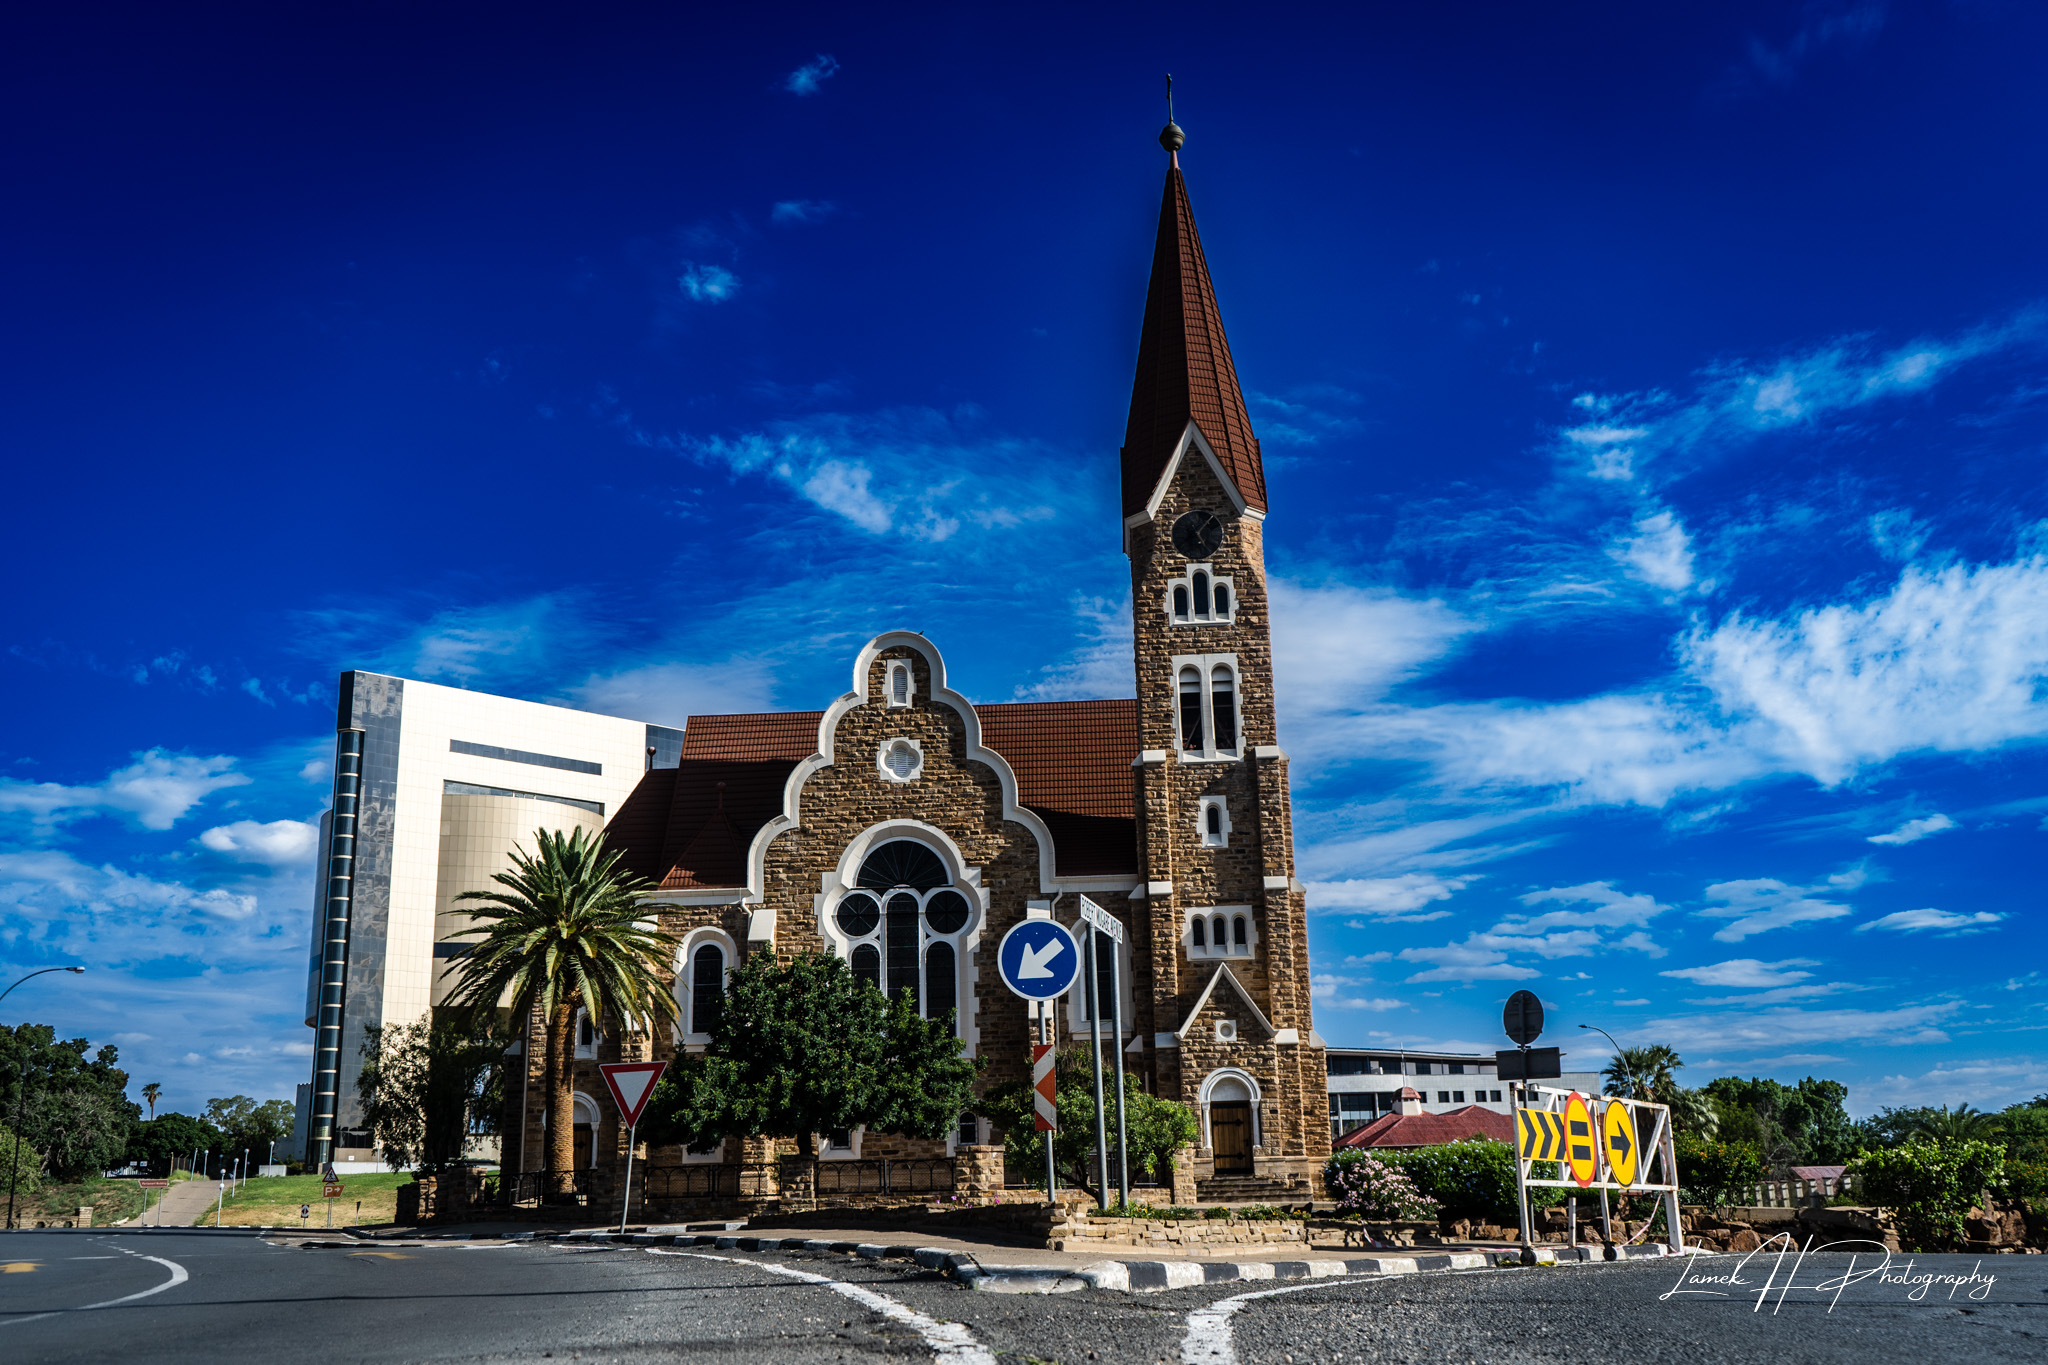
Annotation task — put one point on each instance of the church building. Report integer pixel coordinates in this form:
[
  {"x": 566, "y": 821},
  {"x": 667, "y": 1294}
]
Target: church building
[{"x": 906, "y": 827}]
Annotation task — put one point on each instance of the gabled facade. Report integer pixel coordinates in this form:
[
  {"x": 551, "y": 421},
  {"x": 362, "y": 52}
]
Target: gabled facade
[{"x": 907, "y": 829}]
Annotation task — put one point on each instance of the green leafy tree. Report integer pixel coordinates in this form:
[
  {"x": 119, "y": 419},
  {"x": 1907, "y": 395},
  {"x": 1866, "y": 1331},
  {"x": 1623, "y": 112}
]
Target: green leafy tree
[
  {"x": 2023, "y": 1128},
  {"x": 426, "y": 1086},
  {"x": 806, "y": 1047},
  {"x": 566, "y": 931},
  {"x": 1716, "y": 1173},
  {"x": 1961, "y": 1124},
  {"x": 1644, "y": 1073},
  {"x": 171, "y": 1137},
  {"x": 1694, "y": 1114},
  {"x": 78, "y": 1113},
  {"x": 1158, "y": 1127},
  {"x": 247, "y": 1126},
  {"x": 1788, "y": 1124},
  {"x": 21, "y": 1166},
  {"x": 1931, "y": 1185}
]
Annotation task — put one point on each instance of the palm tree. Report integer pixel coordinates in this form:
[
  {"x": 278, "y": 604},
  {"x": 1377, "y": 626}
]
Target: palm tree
[
  {"x": 1644, "y": 1073},
  {"x": 1960, "y": 1123},
  {"x": 152, "y": 1092},
  {"x": 567, "y": 931}
]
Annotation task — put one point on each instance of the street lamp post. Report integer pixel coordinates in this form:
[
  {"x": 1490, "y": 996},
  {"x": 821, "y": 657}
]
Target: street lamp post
[
  {"x": 1634, "y": 1081},
  {"x": 21, "y": 1100}
]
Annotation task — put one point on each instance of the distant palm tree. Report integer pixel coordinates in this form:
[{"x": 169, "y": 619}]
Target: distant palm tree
[
  {"x": 152, "y": 1093},
  {"x": 1961, "y": 1122},
  {"x": 1644, "y": 1073},
  {"x": 566, "y": 932}
]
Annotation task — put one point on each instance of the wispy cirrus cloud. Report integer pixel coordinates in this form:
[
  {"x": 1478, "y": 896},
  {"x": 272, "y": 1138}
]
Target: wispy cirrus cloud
[
  {"x": 802, "y": 210},
  {"x": 1758, "y": 905},
  {"x": 703, "y": 283},
  {"x": 1945, "y": 922},
  {"x": 156, "y": 790},
  {"x": 1913, "y": 831},
  {"x": 810, "y": 78},
  {"x": 1747, "y": 973}
]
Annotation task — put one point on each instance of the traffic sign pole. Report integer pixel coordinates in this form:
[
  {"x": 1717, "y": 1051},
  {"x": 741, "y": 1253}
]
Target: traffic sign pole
[
  {"x": 1046, "y": 1121},
  {"x": 1094, "y": 999},
  {"x": 1116, "y": 1051},
  {"x": 632, "y": 1086}
]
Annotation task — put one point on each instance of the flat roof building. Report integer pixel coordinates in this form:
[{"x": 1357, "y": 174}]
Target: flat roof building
[{"x": 1367, "y": 1082}]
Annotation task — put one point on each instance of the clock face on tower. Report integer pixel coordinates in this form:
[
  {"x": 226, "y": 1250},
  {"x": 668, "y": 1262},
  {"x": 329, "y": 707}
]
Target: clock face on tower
[{"x": 1197, "y": 534}]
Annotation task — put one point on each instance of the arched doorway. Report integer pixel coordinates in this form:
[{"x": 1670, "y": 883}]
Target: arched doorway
[{"x": 1230, "y": 1126}]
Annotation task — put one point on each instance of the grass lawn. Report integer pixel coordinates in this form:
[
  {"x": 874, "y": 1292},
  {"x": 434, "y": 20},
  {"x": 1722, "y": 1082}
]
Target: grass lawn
[
  {"x": 111, "y": 1200},
  {"x": 274, "y": 1201}
]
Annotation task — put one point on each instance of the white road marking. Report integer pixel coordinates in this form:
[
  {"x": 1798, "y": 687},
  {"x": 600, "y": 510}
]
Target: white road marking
[
  {"x": 178, "y": 1277},
  {"x": 950, "y": 1341},
  {"x": 1208, "y": 1340}
]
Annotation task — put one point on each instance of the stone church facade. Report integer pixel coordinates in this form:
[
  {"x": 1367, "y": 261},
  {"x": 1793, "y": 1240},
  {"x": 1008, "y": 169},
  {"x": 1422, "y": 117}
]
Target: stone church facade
[{"x": 907, "y": 828}]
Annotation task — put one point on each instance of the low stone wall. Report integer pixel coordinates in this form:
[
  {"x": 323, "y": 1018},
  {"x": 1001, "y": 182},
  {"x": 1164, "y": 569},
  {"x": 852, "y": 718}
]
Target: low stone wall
[{"x": 1079, "y": 1232}]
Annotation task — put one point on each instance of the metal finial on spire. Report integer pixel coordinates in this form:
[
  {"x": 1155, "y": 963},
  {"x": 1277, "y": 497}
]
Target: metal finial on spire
[{"x": 1171, "y": 137}]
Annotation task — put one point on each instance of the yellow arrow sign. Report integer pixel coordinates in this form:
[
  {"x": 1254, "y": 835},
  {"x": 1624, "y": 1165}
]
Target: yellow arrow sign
[
  {"x": 1540, "y": 1134},
  {"x": 1618, "y": 1131}
]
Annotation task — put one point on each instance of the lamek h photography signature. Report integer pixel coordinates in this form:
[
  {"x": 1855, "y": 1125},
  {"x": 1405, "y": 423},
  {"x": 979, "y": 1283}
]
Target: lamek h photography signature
[{"x": 1869, "y": 1263}]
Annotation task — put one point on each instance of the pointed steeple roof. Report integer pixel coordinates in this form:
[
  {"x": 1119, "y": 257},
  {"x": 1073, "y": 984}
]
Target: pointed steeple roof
[{"x": 1185, "y": 372}]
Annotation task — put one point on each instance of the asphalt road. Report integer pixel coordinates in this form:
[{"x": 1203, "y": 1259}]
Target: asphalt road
[{"x": 182, "y": 1296}]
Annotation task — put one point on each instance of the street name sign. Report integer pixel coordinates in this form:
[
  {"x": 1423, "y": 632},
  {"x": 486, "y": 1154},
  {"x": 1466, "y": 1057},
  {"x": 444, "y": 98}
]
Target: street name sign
[
  {"x": 1529, "y": 1064},
  {"x": 1039, "y": 959},
  {"x": 154, "y": 1184},
  {"x": 1102, "y": 920},
  {"x": 1618, "y": 1141},
  {"x": 1581, "y": 1148},
  {"x": 632, "y": 1085}
]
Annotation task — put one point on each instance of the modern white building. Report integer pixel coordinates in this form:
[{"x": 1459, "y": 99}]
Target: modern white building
[
  {"x": 1367, "y": 1082},
  {"x": 433, "y": 789}
]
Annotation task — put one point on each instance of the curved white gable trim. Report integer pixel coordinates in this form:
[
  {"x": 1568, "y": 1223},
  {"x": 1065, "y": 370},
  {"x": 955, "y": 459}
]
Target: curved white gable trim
[
  {"x": 1249, "y": 1081},
  {"x": 1192, "y": 437},
  {"x": 761, "y": 926}
]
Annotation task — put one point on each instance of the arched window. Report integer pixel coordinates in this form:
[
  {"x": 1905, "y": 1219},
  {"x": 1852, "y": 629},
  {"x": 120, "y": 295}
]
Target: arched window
[
  {"x": 707, "y": 987},
  {"x": 941, "y": 994},
  {"x": 1201, "y": 935},
  {"x": 1215, "y": 822},
  {"x": 901, "y": 940},
  {"x": 1222, "y": 934},
  {"x": 1237, "y": 934},
  {"x": 1180, "y": 603},
  {"x": 902, "y": 862},
  {"x": 1201, "y": 593},
  {"x": 1223, "y": 700},
  {"x": 899, "y": 684},
  {"x": 1222, "y": 600},
  {"x": 867, "y": 965},
  {"x": 1191, "y": 710}
]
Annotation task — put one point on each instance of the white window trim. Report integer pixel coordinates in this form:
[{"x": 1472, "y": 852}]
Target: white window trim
[
  {"x": 686, "y": 980},
  {"x": 1209, "y": 951},
  {"x": 1226, "y": 1030},
  {"x": 1186, "y": 582},
  {"x": 585, "y": 1052},
  {"x": 965, "y": 941},
  {"x": 822, "y": 1142},
  {"x": 1220, "y": 804},
  {"x": 586, "y": 1108},
  {"x": 901, "y": 668},
  {"x": 882, "y": 759},
  {"x": 1205, "y": 665}
]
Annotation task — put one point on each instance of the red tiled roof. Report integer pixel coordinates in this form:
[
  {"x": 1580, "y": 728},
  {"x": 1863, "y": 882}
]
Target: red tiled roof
[
  {"x": 1184, "y": 367},
  {"x": 689, "y": 826},
  {"x": 1430, "y": 1130}
]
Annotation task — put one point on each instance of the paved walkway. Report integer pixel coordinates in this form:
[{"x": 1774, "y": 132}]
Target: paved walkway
[{"x": 179, "y": 1206}]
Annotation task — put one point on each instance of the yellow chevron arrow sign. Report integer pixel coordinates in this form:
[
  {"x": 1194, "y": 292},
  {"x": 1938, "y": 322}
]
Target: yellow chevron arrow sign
[{"x": 1539, "y": 1134}]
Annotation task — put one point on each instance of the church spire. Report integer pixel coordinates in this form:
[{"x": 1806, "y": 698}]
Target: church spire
[{"x": 1185, "y": 372}]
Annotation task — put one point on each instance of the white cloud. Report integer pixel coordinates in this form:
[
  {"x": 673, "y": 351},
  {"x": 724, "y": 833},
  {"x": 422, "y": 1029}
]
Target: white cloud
[
  {"x": 158, "y": 788},
  {"x": 281, "y": 843},
  {"x": 1947, "y": 921},
  {"x": 802, "y": 210},
  {"x": 1467, "y": 961},
  {"x": 708, "y": 283},
  {"x": 1610, "y": 909},
  {"x": 1760, "y": 904},
  {"x": 1101, "y": 666},
  {"x": 670, "y": 693},
  {"x": 1747, "y": 973},
  {"x": 1305, "y": 416},
  {"x": 2013, "y": 1077},
  {"x": 916, "y": 473},
  {"x": 1330, "y": 992},
  {"x": 807, "y": 79},
  {"x": 1387, "y": 898},
  {"x": 55, "y": 898},
  {"x": 1609, "y": 450},
  {"x": 1771, "y": 1031},
  {"x": 1337, "y": 646},
  {"x": 1659, "y": 553},
  {"x": 1915, "y": 830}
]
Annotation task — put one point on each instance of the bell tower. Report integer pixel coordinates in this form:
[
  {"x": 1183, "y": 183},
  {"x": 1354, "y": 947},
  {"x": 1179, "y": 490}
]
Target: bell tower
[{"x": 1230, "y": 975}]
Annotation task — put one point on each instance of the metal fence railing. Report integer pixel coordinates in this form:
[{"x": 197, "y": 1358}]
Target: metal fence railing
[
  {"x": 668, "y": 1182},
  {"x": 1790, "y": 1193},
  {"x": 544, "y": 1187},
  {"x": 914, "y": 1175}
]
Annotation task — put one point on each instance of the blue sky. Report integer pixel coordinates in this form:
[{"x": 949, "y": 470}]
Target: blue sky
[{"x": 1653, "y": 406}]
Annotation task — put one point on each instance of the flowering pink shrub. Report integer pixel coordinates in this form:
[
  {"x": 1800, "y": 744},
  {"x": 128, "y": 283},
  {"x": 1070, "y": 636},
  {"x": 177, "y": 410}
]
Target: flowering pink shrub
[{"x": 1377, "y": 1191}]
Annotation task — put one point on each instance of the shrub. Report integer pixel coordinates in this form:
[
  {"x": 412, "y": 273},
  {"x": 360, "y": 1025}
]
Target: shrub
[
  {"x": 1931, "y": 1185},
  {"x": 1714, "y": 1172},
  {"x": 1375, "y": 1189},
  {"x": 25, "y": 1178},
  {"x": 1474, "y": 1178}
]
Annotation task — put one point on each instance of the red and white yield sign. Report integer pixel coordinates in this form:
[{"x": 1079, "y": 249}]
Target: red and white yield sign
[
  {"x": 1043, "y": 1111},
  {"x": 632, "y": 1085}
]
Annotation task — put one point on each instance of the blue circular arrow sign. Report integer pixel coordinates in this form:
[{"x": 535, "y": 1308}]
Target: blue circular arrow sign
[{"x": 1039, "y": 959}]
